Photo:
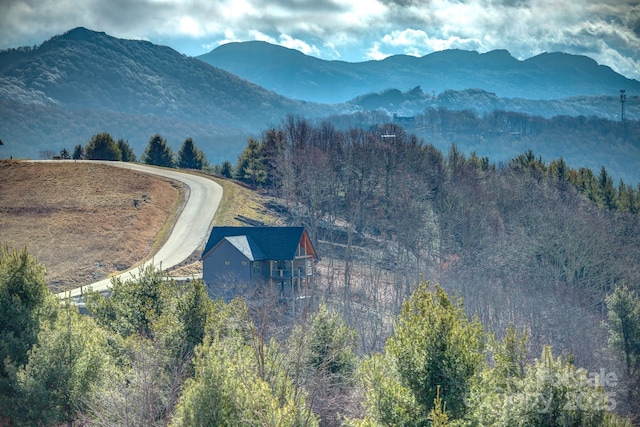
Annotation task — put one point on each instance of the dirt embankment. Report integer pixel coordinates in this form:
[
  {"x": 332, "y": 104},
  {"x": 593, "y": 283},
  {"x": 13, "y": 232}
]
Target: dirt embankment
[{"x": 83, "y": 221}]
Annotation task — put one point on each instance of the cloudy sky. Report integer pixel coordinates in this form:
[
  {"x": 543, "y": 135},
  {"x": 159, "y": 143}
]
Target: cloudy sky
[{"x": 357, "y": 30}]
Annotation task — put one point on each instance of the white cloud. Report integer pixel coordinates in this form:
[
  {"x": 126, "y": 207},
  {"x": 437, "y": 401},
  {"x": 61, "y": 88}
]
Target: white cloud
[
  {"x": 358, "y": 30},
  {"x": 292, "y": 43},
  {"x": 257, "y": 35},
  {"x": 191, "y": 27},
  {"x": 375, "y": 53}
]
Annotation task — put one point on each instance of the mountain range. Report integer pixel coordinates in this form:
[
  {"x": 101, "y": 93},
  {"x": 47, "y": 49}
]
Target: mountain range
[
  {"x": 74, "y": 85},
  {"x": 295, "y": 75},
  {"x": 84, "y": 82}
]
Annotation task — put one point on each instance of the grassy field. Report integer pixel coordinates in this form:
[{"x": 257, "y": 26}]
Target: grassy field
[{"x": 79, "y": 219}]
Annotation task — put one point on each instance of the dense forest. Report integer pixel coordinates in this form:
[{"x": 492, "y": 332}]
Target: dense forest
[
  {"x": 156, "y": 353},
  {"x": 501, "y": 134},
  {"x": 535, "y": 320},
  {"x": 525, "y": 242}
]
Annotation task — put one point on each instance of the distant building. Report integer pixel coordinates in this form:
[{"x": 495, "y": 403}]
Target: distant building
[
  {"x": 278, "y": 259},
  {"x": 403, "y": 119}
]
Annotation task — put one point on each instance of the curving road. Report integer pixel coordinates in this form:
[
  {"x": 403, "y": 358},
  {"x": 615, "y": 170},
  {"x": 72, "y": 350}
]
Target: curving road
[{"x": 190, "y": 230}]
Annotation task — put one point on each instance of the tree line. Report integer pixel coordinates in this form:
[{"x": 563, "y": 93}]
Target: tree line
[
  {"x": 156, "y": 353},
  {"x": 102, "y": 146}
]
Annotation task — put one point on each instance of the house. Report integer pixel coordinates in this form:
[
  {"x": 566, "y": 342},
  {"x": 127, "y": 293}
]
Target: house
[{"x": 279, "y": 259}]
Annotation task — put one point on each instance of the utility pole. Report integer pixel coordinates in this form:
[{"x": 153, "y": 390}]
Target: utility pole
[{"x": 623, "y": 99}]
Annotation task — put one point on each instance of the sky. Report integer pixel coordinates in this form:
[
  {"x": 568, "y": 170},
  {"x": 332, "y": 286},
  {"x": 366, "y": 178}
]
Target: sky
[{"x": 606, "y": 30}]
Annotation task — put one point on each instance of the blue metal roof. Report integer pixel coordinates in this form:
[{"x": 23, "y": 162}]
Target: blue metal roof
[{"x": 258, "y": 243}]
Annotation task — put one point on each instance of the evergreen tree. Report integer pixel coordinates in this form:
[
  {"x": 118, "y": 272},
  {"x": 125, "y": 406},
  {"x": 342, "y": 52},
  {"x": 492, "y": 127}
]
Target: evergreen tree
[
  {"x": 239, "y": 380},
  {"x": 158, "y": 153},
  {"x": 23, "y": 302},
  {"x": 226, "y": 169},
  {"x": 103, "y": 147},
  {"x": 553, "y": 393},
  {"x": 127, "y": 152},
  {"x": 607, "y": 191},
  {"x": 250, "y": 167},
  {"x": 190, "y": 157},
  {"x": 68, "y": 359},
  {"x": 322, "y": 352},
  {"x": 133, "y": 304},
  {"x": 434, "y": 354},
  {"x": 624, "y": 330},
  {"x": 78, "y": 152}
]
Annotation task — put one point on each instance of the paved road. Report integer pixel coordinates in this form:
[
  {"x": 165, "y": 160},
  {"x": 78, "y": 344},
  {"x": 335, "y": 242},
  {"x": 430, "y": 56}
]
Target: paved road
[{"x": 190, "y": 230}]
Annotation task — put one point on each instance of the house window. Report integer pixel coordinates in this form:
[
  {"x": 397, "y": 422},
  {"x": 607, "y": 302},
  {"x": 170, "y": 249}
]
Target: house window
[
  {"x": 227, "y": 263},
  {"x": 244, "y": 262},
  {"x": 256, "y": 267}
]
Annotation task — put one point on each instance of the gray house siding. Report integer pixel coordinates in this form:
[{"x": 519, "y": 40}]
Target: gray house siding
[
  {"x": 226, "y": 265},
  {"x": 241, "y": 260}
]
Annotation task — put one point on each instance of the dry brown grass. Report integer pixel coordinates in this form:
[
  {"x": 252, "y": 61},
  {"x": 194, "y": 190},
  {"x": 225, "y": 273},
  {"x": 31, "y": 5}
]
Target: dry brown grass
[
  {"x": 236, "y": 201},
  {"x": 79, "y": 219}
]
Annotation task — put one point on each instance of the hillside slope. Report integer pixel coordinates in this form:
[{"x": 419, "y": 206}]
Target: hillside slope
[
  {"x": 87, "y": 78},
  {"x": 79, "y": 219}
]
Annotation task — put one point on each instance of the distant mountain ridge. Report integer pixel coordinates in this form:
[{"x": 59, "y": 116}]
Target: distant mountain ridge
[
  {"x": 296, "y": 75},
  {"x": 92, "y": 81},
  {"x": 87, "y": 69}
]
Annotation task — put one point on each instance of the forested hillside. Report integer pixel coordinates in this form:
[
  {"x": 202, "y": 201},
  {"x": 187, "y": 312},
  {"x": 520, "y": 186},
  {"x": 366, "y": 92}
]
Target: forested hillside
[
  {"x": 536, "y": 320},
  {"x": 536, "y": 244},
  {"x": 415, "y": 101},
  {"x": 80, "y": 83},
  {"x": 583, "y": 141}
]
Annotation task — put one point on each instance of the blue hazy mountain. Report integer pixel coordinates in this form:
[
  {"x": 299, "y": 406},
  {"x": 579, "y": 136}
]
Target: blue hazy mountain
[
  {"x": 296, "y": 75},
  {"x": 84, "y": 82}
]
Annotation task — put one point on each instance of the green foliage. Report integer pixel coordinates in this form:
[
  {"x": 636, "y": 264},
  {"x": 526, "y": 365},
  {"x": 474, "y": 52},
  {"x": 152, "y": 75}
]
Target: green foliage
[
  {"x": 387, "y": 401},
  {"x": 326, "y": 345},
  {"x": 63, "y": 366},
  {"x": 623, "y": 324},
  {"x": 127, "y": 152},
  {"x": 250, "y": 167},
  {"x": 624, "y": 327},
  {"x": 607, "y": 191},
  {"x": 322, "y": 359},
  {"x": 78, "y": 152},
  {"x": 239, "y": 380},
  {"x": 190, "y": 157},
  {"x": 438, "y": 415},
  {"x": 553, "y": 393},
  {"x": 434, "y": 344},
  {"x": 133, "y": 304},
  {"x": 226, "y": 169},
  {"x": 184, "y": 315},
  {"x": 158, "y": 153},
  {"x": 435, "y": 353},
  {"x": 23, "y": 303},
  {"x": 102, "y": 147},
  {"x": 510, "y": 355}
]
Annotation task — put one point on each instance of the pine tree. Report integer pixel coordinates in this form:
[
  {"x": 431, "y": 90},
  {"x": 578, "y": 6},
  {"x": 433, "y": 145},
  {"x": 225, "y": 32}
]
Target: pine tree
[
  {"x": 158, "y": 153},
  {"x": 103, "y": 147},
  {"x": 126, "y": 150},
  {"x": 23, "y": 302},
  {"x": 78, "y": 152},
  {"x": 190, "y": 157}
]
